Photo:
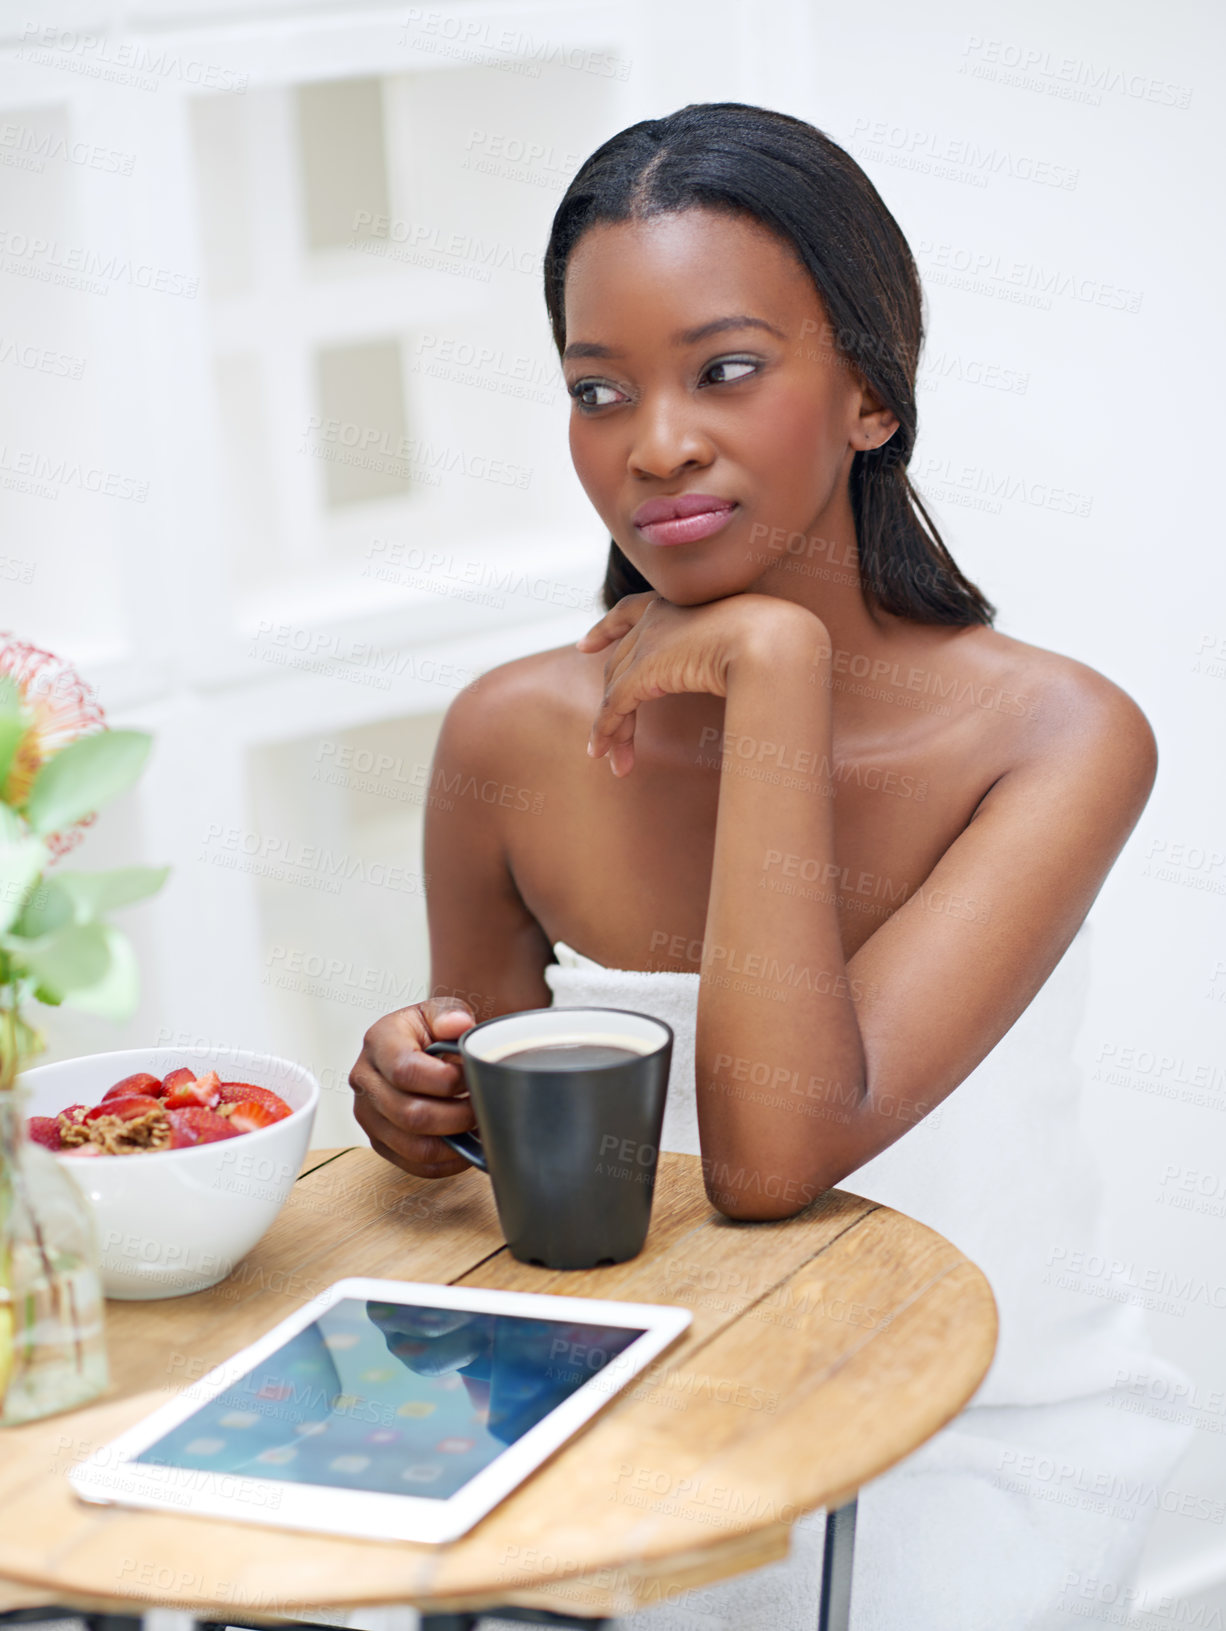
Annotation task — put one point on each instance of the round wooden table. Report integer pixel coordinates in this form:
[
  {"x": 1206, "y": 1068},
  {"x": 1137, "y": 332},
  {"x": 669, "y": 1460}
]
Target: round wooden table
[{"x": 823, "y": 1350}]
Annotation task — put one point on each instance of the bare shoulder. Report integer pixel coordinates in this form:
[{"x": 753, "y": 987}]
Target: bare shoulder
[
  {"x": 516, "y": 707},
  {"x": 1073, "y": 720}
]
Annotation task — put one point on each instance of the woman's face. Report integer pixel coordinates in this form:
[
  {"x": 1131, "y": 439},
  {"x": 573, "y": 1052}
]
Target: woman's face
[{"x": 698, "y": 363}]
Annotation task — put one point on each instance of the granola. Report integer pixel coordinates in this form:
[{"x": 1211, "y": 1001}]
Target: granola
[{"x": 116, "y": 1136}]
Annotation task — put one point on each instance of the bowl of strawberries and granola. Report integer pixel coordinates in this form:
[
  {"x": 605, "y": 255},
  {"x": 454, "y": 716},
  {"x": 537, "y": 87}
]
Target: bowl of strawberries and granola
[{"x": 186, "y": 1155}]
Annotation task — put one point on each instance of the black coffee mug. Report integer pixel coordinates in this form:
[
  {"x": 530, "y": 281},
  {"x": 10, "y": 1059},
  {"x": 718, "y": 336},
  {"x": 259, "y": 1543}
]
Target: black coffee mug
[{"x": 571, "y": 1148}]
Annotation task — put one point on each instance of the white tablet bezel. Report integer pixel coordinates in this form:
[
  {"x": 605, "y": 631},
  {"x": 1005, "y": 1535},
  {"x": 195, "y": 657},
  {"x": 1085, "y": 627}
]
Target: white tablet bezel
[{"x": 111, "y": 1477}]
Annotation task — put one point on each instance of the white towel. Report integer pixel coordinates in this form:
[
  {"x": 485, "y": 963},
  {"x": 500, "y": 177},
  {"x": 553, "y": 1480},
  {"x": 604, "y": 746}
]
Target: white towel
[
  {"x": 576, "y": 980},
  {"x": 1050, "y": 1473}
]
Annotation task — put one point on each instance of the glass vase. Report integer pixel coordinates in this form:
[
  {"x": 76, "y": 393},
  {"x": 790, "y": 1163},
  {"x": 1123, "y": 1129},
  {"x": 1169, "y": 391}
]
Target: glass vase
[{"x": 52, "y": 1346}]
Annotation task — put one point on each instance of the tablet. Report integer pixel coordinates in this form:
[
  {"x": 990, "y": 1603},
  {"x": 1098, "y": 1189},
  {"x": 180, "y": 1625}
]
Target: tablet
[{"x": 383, "y": 1409}]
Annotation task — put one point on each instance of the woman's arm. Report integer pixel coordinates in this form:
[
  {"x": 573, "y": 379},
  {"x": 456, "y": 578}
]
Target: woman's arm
[
  {"x": 854, "y": 1052},
  {"x": 486, "y": 948},
  {"x": 485, "y": 945},
  {"x": 867, "y": 1047},
  {"x": 775, "y": 995}
]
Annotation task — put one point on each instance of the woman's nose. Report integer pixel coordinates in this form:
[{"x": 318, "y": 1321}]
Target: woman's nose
[{"x": 668, "y": 438}]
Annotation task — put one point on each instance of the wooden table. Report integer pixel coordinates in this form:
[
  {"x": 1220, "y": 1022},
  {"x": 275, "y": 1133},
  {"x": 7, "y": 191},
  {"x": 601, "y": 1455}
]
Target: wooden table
[{"x": 823, "y": 1350}]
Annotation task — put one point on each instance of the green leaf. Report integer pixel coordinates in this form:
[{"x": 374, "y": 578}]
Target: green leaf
[
  {"x": 82, "y": 897},
  {"x": 117, "y": 994},
  {"x": 83, "y": 776},
  {"x": 92, "y": 893},
  {"x": 13, "y": 726},
  {"x": 20, "y": 865},
  {"x": 48, "y": 908},
  {"x": 66, "y": 961}
]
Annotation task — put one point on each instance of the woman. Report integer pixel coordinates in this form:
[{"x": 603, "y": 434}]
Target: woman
[{"x": 849, "y": 832}]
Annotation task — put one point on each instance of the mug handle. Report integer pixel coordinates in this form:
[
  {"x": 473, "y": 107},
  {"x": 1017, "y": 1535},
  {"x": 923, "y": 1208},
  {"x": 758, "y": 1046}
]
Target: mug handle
[{"x": 462, "y": 1143}]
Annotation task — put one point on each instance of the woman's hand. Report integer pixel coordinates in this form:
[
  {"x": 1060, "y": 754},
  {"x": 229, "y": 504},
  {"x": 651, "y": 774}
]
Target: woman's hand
[
  {"x": 662, "y": 648},
  {"x": 405, "y": 1099}
]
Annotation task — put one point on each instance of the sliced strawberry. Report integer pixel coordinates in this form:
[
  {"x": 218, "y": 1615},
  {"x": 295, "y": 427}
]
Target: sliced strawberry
[
  {"x": 142, "y": 1083},
  {"x": 198, "y": 1126},
  {"x": 200, "y": 1093},
  {"x": 247, "y": 1092},
  {"x": 249, "y": 1115},
  {"x": 126, "y": 1109},
  {"x": 76, "y": 1112},
  {"x": 44, "y": 1130},
  {"x": 176, "y": 1079}
]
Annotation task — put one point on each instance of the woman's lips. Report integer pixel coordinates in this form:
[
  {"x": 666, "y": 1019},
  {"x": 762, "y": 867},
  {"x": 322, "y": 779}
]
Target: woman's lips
[{"x": 687, "y": 529}]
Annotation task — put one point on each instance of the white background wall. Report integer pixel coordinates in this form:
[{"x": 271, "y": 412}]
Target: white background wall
[{"x": 189, "y": 289}]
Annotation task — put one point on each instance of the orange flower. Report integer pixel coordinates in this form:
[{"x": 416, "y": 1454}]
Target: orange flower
[{"x": 59, "y": 707}]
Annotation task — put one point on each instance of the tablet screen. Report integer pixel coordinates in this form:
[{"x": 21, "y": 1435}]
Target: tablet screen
[{"x": 391, "y": 1398}]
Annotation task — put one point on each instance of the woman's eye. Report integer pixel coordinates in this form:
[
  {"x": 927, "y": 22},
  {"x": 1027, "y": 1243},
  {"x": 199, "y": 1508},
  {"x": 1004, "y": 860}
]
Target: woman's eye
[
  {"x": 595, "y": 393},
  {"x": 586, "y": 392},
  {"x": 746, "y": 365}
]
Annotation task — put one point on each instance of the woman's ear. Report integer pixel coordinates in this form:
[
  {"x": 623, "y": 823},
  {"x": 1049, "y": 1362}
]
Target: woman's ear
[{"x": 875, "y": 422}]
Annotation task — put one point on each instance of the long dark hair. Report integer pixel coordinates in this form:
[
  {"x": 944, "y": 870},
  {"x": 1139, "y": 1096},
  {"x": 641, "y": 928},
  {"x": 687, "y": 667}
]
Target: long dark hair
[{"x": 786, "y": 174}]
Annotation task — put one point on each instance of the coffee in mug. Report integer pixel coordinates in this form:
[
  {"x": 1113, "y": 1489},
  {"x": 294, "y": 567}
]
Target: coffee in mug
[
  {"x": 578, "y": 1054},
  {"x": 569, "y": 1104}
]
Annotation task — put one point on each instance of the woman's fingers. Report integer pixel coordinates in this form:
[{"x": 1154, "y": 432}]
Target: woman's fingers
[
  {"x": 405, "y": 1099},
  {"x": 395, "y": 1046},
  {"x": 420, "y": 1163},
  {"x": 408, "y": 1131},
  {"x": 620, "y": 745},
  {"x": 613, "y": 728},
  {"x": 414, "y": 1114},
  {"x": 616, "y": 622}
]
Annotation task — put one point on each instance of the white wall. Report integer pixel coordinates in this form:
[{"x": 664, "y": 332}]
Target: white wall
[{"x": 182, "y": 309}]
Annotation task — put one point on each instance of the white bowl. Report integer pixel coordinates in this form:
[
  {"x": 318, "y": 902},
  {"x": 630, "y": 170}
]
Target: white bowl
[{"x": 176, "y": 1221}]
